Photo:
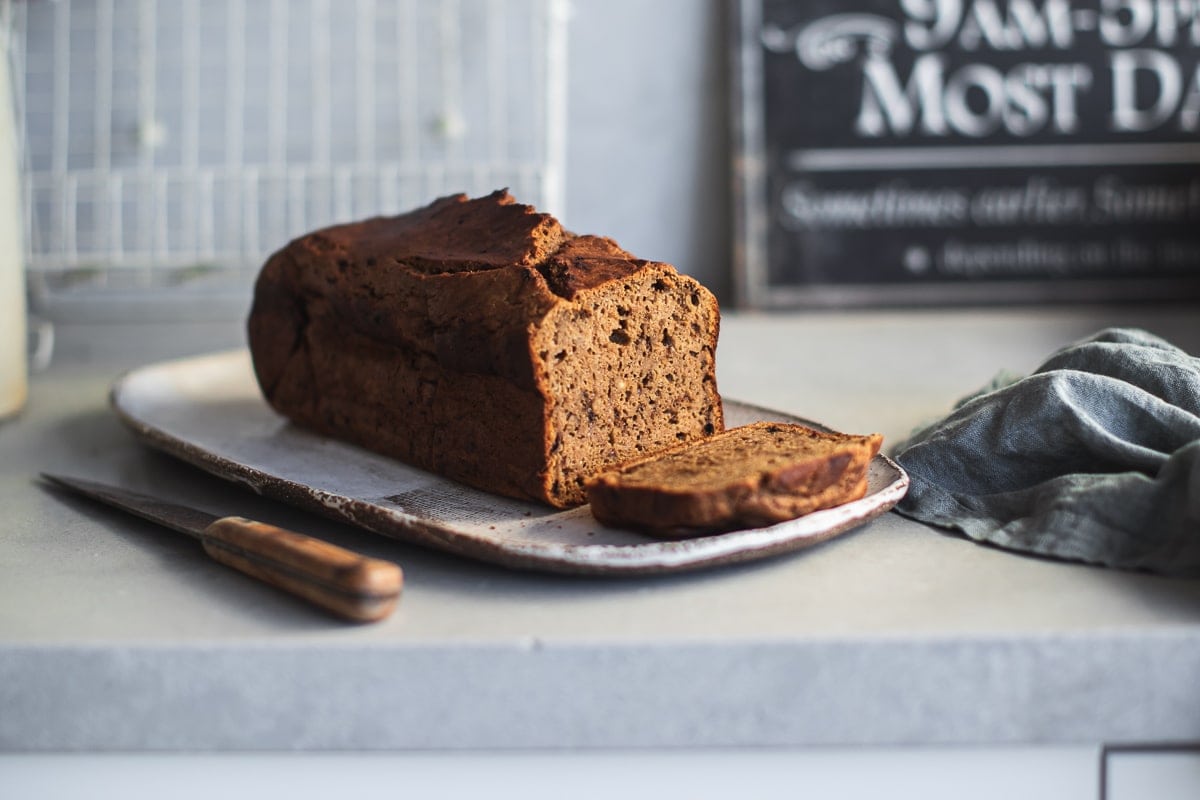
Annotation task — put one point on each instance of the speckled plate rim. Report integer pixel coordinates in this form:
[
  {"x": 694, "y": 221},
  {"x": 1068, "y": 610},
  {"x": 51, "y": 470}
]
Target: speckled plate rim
[{"x": 144, "y": 401}]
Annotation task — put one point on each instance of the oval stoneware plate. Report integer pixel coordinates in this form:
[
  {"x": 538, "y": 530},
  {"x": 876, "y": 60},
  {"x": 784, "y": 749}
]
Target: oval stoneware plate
[{"x": 207, "y": 410}]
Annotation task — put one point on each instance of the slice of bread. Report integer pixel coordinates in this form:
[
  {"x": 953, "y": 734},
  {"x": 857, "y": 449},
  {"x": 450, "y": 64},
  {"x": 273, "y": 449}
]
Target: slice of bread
[{"x": 746, "y": 477}]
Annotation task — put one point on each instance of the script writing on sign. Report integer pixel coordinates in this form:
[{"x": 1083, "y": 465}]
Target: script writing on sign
[{"x": 923, "y": 151}]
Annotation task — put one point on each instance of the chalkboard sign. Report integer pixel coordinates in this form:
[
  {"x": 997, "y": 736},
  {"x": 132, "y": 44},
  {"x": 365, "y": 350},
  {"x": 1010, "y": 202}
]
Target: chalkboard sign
[{"x": 928, "y": 151}]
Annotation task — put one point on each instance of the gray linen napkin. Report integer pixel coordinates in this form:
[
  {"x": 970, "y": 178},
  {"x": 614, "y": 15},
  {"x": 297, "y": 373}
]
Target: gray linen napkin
[{"x": 1094, "y": 457}]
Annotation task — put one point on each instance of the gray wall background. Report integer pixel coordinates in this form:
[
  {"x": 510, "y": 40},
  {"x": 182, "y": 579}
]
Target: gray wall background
[{"x": 648, "y": 131}]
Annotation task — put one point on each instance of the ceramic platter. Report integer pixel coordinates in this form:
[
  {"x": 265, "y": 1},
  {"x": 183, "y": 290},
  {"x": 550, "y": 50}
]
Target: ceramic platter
[{"x": 208, "y": 411}]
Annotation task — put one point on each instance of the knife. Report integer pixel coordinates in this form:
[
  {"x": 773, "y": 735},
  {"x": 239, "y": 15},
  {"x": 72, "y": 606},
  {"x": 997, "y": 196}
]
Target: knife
[{"x": 336, "y": 579}]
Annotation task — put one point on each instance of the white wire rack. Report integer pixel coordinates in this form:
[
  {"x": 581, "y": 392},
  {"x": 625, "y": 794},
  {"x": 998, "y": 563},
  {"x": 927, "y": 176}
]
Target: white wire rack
[{"x": 178, "y": 137}]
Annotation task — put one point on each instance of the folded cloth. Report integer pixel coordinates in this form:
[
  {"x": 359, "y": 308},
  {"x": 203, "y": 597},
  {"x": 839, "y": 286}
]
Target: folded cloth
[{"x": 1094, "y": 457}]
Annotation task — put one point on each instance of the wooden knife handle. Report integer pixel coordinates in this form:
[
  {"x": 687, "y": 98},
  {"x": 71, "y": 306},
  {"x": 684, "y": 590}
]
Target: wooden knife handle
[{"x": 338, "y": 580}]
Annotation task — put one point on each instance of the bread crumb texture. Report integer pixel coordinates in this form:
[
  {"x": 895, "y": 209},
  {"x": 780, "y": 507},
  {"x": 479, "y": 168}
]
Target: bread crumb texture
[{"x": 478, "y": 339}]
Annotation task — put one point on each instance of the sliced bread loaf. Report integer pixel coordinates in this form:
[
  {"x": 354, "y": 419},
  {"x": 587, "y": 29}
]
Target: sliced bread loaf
[
  {"x": 745, "y": 477},
  {"x": 478, "y": 339}
]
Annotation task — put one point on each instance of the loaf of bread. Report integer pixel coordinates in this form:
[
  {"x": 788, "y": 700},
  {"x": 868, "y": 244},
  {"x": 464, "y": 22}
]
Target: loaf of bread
[
  {"x": 477, "y": 339},
  {"x": 746, "y": 477}
]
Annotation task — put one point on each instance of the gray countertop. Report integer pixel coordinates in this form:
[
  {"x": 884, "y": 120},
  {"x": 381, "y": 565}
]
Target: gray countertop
[{"x": 116, "y": 636}]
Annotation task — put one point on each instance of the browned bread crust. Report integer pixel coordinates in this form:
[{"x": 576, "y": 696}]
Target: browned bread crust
[
  {"x": 746, "y": 477},
  {"x": 480, "y": 340}
]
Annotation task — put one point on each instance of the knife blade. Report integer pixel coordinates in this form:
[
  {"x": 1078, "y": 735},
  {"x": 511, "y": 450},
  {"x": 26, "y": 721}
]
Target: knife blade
[{"x": 338, "y": 580}]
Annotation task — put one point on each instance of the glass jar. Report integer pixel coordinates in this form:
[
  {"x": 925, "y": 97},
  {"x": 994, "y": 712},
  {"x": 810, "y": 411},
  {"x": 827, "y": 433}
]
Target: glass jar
[{"x": 14, "y": 368}]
